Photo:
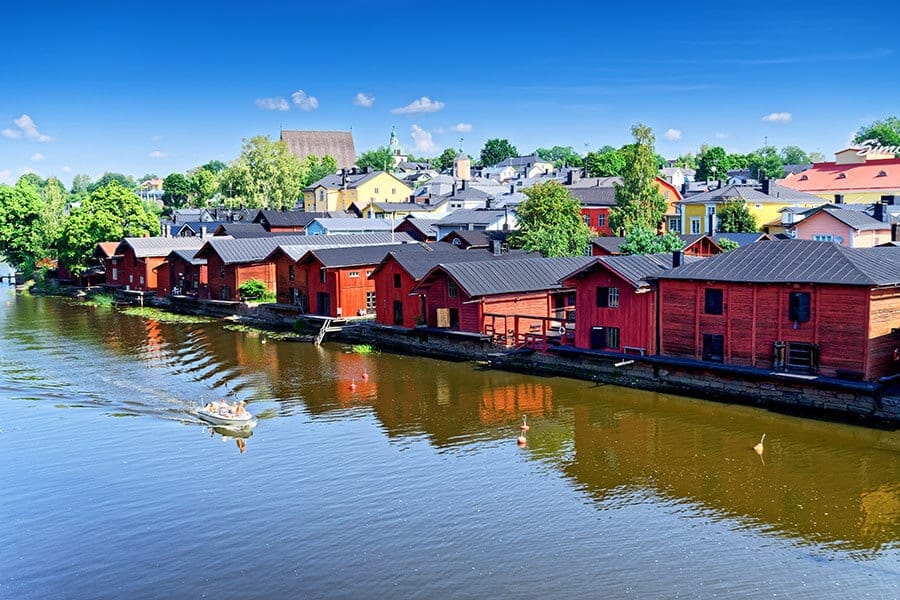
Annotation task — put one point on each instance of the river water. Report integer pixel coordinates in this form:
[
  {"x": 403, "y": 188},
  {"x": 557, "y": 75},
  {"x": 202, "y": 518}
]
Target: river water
[{"x": 410, "y": 486}]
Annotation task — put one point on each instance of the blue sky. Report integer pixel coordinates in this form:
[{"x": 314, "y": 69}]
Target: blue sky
[{"x": 161, "y": 87}]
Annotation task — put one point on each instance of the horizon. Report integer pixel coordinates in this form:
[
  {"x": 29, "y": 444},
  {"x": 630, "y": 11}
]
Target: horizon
[{"x": 96, "y": 92}]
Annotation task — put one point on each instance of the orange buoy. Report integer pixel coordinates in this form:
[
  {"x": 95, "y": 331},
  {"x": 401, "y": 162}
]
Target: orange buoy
[
  {"x": 365, "y": 375},
  {"x": 759, "y": 447},
  {"x": 352, "y": 386},
  {"x": 524, "y": 426},
  {"x": 521, "y": 440}
]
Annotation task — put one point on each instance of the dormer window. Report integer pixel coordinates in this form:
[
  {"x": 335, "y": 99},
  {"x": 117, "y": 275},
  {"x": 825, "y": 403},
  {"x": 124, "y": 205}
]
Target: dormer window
[
  {"x": 842, "y": 176},
  {"x": 804, "y": 178},
  {"x": 882, "y": 174}
]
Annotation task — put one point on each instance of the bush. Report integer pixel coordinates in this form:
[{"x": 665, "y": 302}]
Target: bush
[{"x": 253, "y": 289}]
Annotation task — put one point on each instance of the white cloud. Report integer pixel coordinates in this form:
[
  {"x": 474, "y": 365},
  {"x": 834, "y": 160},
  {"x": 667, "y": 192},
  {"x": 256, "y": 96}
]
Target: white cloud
[
  {"x": 67, "y": 169},
  {"x": 673, "y": 135},
  {"x": 462, "y": 127},
  {"x": 305, "y": 102},
  {"x": 722, "y": 136},
  {"x": 422, "y": 105},
  {"x": 159, "y": 154},
  {"x": 26, "y": 129},
  {"x": 5, "y": 176},
  {"x": 37, "y": 156},
  {"x": 778, "y": 117},
  {"x": 423, "y": 140},
  {"x": 276, "y": 103},
  {"x": 364, "y": 100}
]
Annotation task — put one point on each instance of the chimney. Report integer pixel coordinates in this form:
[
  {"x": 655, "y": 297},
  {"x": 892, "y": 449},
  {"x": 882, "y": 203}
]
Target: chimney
[
  {"x": 495, "y": 247},
  {"x": 889, "y": 200},
  {"x": 684, "y": 188},
  {"x": 512, "y": 188},
  {"x": 571, "y": 176},
  {"x": 344, "y": 178},
  {"x": 838, "y": 198},
  {"x": 454, "y": 189},
  {"x": 676, "y": 258},
  {"x": 369, "y": 169},
  {"x": 879, "y": 214},
  {"x": 463, "y": 185},
  {"x": 765, "y": 186},
  {"x": 203, "y": 232}
]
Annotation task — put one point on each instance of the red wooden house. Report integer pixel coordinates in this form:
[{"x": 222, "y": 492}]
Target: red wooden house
[
  {"x": 419, "y": 229},
  {"x": 135, "y": 270},
  {"x": 507, "y": 299},
  {"x": 182, "y": 274},
  {"x": 615, "y": 300},
  {"x": 105, "y": 253},
  {"x": 810, "y": 307}
]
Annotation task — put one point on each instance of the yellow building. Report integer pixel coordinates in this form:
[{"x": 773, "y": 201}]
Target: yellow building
[
  {"x": 338, "y": 192},
  {"x": 698, "y": 213}
]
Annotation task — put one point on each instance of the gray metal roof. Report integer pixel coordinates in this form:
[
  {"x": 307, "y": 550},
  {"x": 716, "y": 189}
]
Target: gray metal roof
[
  {"x": 296, "y": 249},
  {"x": 474, "y": 216},
  {"x": 241, "y": 230},
  {"x": 856, "y": 219},
  {"x": 158, "y": 246},
  {"x": 610, "y": 244},
  {"x": 637, "y": 269},
  {"x": 187, "y": 256},
  {"x": 362, "y": 255},
  {"x": 798, "y": 261},
  {"x": 245, "y": 250},
  {"x": 594, "y": 196},
  {"x": 741, "y": 239},
  {"x": 336, "y": 181},
  {"x": 288, "y": 218},
  {"x": 354, "y": 224},
  {"x": 484, "y": 278}
]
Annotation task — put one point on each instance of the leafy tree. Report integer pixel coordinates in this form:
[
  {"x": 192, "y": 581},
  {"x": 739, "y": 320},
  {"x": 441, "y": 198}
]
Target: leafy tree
[
  {"x": 123, "y": 180},
  {"x": 34, "y": 180},
  {"x": 80, "y": 183},
  {"x": 148, "y": 177},
  {"x": 203, "y": 185},
  {"x": 445, "y": 159},
  {"x": 686, "y": 161},
  {"x": 644, "y": 240},
  {"x": 380, "y": 159},
  {"x": 816, "y": 157},
  {"x": 21, "y": 232},
  {"x": 608, "y": 163},
  {"x": 317, "y": 169},
  {"x": 885, "y": 132},
  {"x": 765, "y": 163},
  {"x": 214, "y": 166},
  {"x": 737, "y": 161},
  {"x": 661, "y": 161},
  {"x": 265, "y": 175},
  {"x": 109, "y": 213},
  {"x": 713, "y": 164},
  {"x": 560, "y": 156},
  {"x": 496, "y": 150},
  {"x": 550, "y": 222},
  {"x": 735, "y": 217},
  {"x": 727, "y": 245},
  {"x": 53, "y": 210},
  {"x": 794, "y": 155},
  {"x": 638, "y": 199},
  {"x": 177, "y": 189}
]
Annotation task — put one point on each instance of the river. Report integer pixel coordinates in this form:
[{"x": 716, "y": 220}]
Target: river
[{"x": 411, "y": 485}]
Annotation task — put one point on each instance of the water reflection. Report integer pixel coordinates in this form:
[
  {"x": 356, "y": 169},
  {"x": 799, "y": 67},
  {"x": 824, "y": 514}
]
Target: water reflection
[
  {"x": 816, "y": 482},
  {"x": 240, "y": 436}
]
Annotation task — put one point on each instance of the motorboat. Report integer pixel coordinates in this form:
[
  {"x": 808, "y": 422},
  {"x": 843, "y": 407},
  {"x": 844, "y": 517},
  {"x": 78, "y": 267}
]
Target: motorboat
[{"x": 223, "y": 414}]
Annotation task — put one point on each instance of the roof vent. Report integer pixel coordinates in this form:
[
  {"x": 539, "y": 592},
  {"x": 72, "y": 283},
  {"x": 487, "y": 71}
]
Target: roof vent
[
  {"x": 804, "y": 178},
  {"x": 842, "y": 176},
  {"x": 882, "y": 174}
]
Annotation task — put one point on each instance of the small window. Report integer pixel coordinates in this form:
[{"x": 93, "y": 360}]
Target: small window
[
  {"x": 115, "y": 273},
  {"x": 587, "y": 219},
  {"x": 842, "y": 176},
  {"x": 612, "y": 337},
  {"x": 376, "y": 190},
  {"x": 601, "y": 220},
  {"x": 130, "y": 278},
  {"x": 368, "y": 274},
  {"x": 370, "y": 302},
  {"x": 353, "y": 274},
  {"x": 799, "y": 307},
  {"x": 393, "y": 191},
  {"x": 713, "y": 348},
  {"x": 882, "y": 174},
  {"x": 713, "y": 302},
  {"x": 291, "y": 272},
  {"x": 323, "y": 276},
  {"x": 221, "y": 271},
  {"x": 396, "y": 280},
  {"x": 675, "y": 224},
  {"x": 823, "y": 237},
  {"x": 695, "y": 225},
  {"x": 607, "y": 297},
  {"x": 451, "y": 289},
  {"x": 804, "y": 178}
]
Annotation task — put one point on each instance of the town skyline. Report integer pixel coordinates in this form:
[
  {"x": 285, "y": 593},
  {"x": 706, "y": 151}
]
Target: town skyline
[{"x": 92, "y": 94}]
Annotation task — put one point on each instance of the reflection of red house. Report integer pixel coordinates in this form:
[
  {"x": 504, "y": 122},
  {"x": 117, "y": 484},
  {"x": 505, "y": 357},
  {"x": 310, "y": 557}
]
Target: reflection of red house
[
  {"x": 616, "y": 302},
  {"x": 480, "y": 297},
  {"x": 510, "y": 402},
  {"x": 135, "y": 271},
  {"x": 796, "y": 305}
]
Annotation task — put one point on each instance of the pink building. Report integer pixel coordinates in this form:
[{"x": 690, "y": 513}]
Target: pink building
[{"x": 847, "y": 227}]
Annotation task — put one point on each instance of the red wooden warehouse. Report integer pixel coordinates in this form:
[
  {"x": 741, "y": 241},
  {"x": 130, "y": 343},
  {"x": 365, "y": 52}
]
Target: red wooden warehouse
[{"x": 135, "y": 270}]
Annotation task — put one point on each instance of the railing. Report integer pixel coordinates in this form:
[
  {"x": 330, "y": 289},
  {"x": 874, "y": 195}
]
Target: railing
[{"x": 529, "y": 331}]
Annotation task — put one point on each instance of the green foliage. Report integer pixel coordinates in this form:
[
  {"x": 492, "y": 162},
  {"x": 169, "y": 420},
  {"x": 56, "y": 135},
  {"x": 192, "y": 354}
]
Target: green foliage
[
  {"x": 380, "y": 159},
  {"x": 794, "y": 155},
  {"x": 108, "y": 214},
  {"x": 445, "y": 159},
  {"x": 80, "y": 183},
  {"x": 148, "y": 177},
  {"x": 727, "y": 245},
  {"x": 734, "y": 217},
  {"x": 363, "y": 349},
  {"x": 885, "y": 132},
  {"x": 317, "y": 169},
  {"x": 737, "y": 161},
  {"x": 252, "y": 289},
  {"x": 561, "y": 156},
  {"x": 53, "y": 212},
  {"x": 550, "y": 222},
  {"x": 125, "y": 181},
  {"x": 265, "y": 175},
  {"x": 605, "y": 163},
  {"x": 104, "y": 300},
  {"x": 816, "y": 157},
  {"x": 712, "y": 164},
  {"x": 644, "y": 240},
  {"x": 686, "y": 161},
  {"x": 214, "y": 166},
  {"x": 177, "y": 189},
  {"x": 638, "y": 199},
  {"x": 496, "y": 150},
  {"x": 22, "y": 239},
  {"x": 765, "y": 163},
  {"x": 203, "y": 185}
]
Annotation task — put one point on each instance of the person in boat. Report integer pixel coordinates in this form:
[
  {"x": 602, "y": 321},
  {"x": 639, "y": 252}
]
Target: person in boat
[{"x": 239, "y": 410}]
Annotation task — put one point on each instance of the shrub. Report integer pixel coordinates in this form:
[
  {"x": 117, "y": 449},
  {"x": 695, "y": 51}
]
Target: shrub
[{"x": 253, "y": 289}]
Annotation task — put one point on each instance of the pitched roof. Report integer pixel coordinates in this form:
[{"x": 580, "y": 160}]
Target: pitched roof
[
  {"x": 485, "y": 278},
  {"x": 741, "y": 239},
  {"x": 242, "y": 230},
  {"x": 637, "y": 269},
  {"x": 424, "y": 226},
  {"x": 474, "y": 216},
  {"x": 338, "y": 144},
  {"x": 594, "y": 196},
  {"x": 244, "y": 250},
  {"x": 855, "y": 219},
  {"x": 798, "y": 261},
  {"x": 875, "y": 175},
  {"x": 287, "y": 218},
  {"x": 187, "y": 256},
  {"x": 336, "y": 180},
  {"x": 595, "y": 182},
  {"x": 418, "y": 264},
  {"x": 610, "y": 244},
  {"x": 335, "y": 258},
  {"x": 353, "y": 224},
  {"x": 106, "y": 249},
  {"x": 158, "y": 246},
  {"x": 300, "y": 245}
]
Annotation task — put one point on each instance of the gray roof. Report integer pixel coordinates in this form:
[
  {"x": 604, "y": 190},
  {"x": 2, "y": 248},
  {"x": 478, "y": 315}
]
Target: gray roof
[
  {"x": 798, "y": 261},
  {"x": 484, "y": 278},
  {"x": 241, "y": 230},
  {"x": 362, "y": 255},
  {"x": 610, "y": 244},
  {"x": 158, "y": 246},
  {"x": 338, "y": 144},
  {"x": 856, "y": 219},
  {"x": 637, "y": 269},
  {"x": 187, "y": 256},
  {"x": 594, "y": 196},
  {"x": 423, "y": 226},
  {"x": 741, "y": 239},
  {"x": 474, "y": 216},
  {"x": 418, "y": 264},
  {"x": 752, "y": 194},
  {"x": 595, "y": 182},
  {"x": 245, "y": 250},
  {"x": 288, "y": 218},
  {"x": 521, "y": 161},
  {"x": 336, "y": 180},
  {"x": 354, "y": 224}
]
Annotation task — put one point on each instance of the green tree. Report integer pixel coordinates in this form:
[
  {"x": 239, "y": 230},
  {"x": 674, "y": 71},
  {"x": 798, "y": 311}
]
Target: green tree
[
  {"x": 265, "y": 175},
  {"x": 816, "y": 157},
  {"x": 252, "y": 289},
  {"x": 605, "y": 163},
  {"x": 108, "y": 214},
  {"x": 712, "y": 164},
  {"x": 80, "y": 183},
  {"x": 686, "y": 161},
  {"x": 380, "y": 159},
  {"x": 203, "y": 185},
  {"x": 21, "y": 232},
  {"x": 445, "y": 159},
  {"x": 214, "y": 166},
  {"x": 560, "y": 156},
  {"x": 727, "y": 245},
  {"x": 884, "y": 132},
  {"x": 550, "y": 222},
  {"x": 123, "y": 180},
  {"x": 794, "y": 155},
  {"x": 317, "y": 169},
  {"x": 638, "y": 199},
  {"x": 737, "y": 161},
  {"x": 53, "y": 211},
  {"x": 735, "y": 217},
  {"x": 765, "y": 163},
  {"x": 148, "y": 177},
  {"x": 496, "y": 150},
  {"x": 644, "y": 240},
  {"x": 177, "y": 190}
]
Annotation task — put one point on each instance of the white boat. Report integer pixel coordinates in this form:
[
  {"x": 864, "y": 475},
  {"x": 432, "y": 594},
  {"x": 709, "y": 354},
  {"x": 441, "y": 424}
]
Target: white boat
[{"x": 224, "y": 417}]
